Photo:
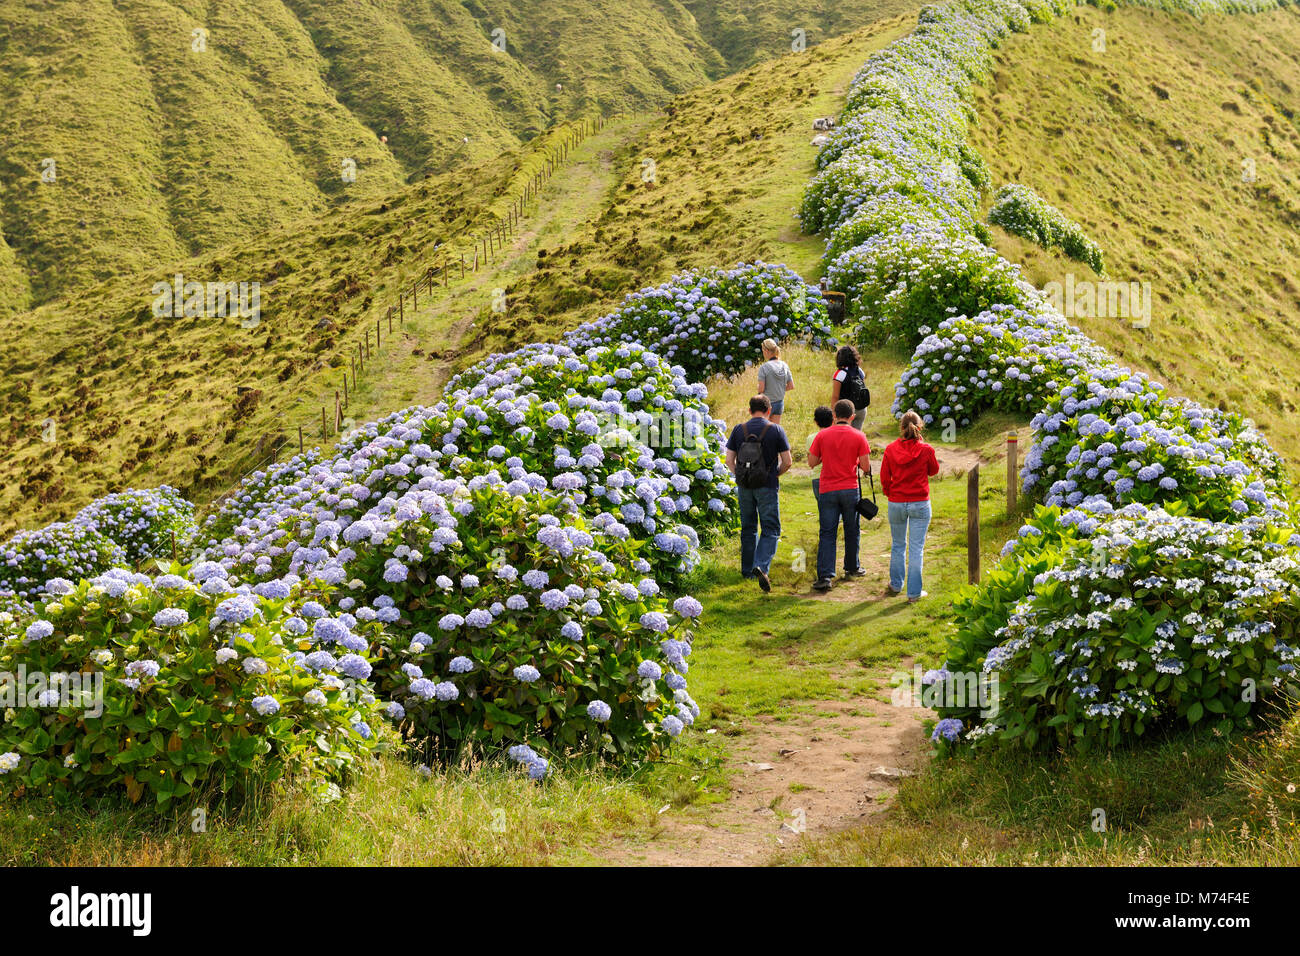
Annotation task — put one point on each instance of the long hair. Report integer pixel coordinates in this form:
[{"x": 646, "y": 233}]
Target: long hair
[
  {"x": 910, "y": 425},
  {"x": 846, "y": 356},
  {"x": 771, "y": 347}
]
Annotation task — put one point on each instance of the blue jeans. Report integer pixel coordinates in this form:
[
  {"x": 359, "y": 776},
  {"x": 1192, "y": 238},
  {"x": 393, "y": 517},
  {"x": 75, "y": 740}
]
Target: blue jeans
[
  {"x": 834, "y": 507},
  {"x": 758, "y": 505},
  {"x": 908, "y": 522}
]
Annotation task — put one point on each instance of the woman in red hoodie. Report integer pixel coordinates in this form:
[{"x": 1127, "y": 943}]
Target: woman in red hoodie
[{"x": 905, "y": 479}]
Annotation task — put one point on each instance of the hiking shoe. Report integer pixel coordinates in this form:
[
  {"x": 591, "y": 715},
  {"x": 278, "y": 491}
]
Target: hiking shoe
[
  {"x": 822, "y": 584},
  {"x": 856, "y": 573},
  {"x": 764, "y": 581},
  {"x": 913, "y": 600}
]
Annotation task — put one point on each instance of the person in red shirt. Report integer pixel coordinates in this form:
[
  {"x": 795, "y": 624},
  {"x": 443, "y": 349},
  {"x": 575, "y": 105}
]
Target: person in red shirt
[
  {"x": 841, "y": 450},
  {"x": 905, "y": 474}
]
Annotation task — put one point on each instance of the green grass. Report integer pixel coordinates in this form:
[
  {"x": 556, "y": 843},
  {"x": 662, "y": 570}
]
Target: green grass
[
  {"x": 1187, "y": 800},
  {"x": 165, "y": 151},
  {"x": 1144, "y": 148}
]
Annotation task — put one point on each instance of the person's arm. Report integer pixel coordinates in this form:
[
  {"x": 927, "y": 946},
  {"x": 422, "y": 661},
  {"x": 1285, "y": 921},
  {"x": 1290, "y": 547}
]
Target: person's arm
[
  {"x": 784, "y": 462},
  {"x": 731, "y": 461},
  {"x": 885, "y": 474},
  {"x": 789, "y": 382},
  {"x": 932, "y": 466},
  {"x": 762, "y": 380},
  {"x": 835, "y": 391},
  {"x": 864, "y": 462},
  {"x": 814, "y": 458}
]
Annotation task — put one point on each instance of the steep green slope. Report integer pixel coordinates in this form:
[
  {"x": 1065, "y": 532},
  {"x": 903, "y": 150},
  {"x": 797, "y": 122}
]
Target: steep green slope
[
  {"x": 177, "y": 128},
  {"x": 98, "y": 392},
  {"x": 139, "y": 400},
  {"x": 1177, "y": 148}
]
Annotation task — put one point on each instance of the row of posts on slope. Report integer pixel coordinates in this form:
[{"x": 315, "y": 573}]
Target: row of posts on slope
[
  {"x": 491, "y": 243},
  {"x": 973, "y": 505}
]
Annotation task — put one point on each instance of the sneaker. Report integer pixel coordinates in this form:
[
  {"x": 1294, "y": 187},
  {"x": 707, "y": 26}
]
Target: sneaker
[
  {"x": 822, "y": 584},
  {"x": 856, "y": 573},
  {"x": 913, "y": 600},
  {"x": 890, "y": 592},
  {"x": 764, "y": 581}
]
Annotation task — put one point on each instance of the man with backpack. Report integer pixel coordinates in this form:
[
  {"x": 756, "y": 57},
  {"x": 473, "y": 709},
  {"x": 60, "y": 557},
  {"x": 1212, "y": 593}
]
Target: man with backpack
[
  {"x": 758, "y": 454},
  {"x": 850, "y": 384}
]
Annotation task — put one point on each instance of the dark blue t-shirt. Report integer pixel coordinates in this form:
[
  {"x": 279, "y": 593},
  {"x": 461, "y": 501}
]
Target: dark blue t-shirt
[{"x": 773, "y": 440}]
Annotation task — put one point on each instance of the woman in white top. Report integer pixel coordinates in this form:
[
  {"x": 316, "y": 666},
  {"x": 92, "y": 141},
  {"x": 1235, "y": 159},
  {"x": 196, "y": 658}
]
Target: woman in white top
[{"x": 774, "y": 379}]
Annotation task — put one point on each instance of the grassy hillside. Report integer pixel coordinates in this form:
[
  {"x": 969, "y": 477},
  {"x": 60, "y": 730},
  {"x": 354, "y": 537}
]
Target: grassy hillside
[
  {"x": 1144, "y": 144},
  {"x": 177, "y": 128},
  {"x": 140, "y": 401},
  {"x": 100, "y": 393},
  {"x": 729, "y": 163}
]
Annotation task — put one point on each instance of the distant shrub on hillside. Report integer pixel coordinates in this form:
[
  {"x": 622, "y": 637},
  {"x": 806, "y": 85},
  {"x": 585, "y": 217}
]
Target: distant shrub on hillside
[
  {"x": 1020, "y": 210},
  {"x": 712, "y": 322}
]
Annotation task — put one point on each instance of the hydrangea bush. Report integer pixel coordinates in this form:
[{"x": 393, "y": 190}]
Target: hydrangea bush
[
  {"x": 617, "y": 431},
  {"x": 1004, "y": 358},
  {"x": 1139, "y": 620},
  {"x": 1113, "y": 433},
  {"x": 712, "y": 322},
  {"x": 1020, "y": 210},
  {"x": 512, "y": 627},
  {"x": 154, "y": 523},
  {"x": 901, "y": 285},
  {"x": 121, "y": 529},
  {"x": 183, "y": 684}
]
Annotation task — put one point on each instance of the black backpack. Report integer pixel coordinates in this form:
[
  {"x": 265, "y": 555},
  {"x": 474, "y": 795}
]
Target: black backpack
[
  {"x": 854, "y": 387},
  {"x": 751, "y": 467}
]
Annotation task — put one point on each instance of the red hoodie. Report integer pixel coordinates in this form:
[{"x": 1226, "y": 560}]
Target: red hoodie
[{"x": 906, "y": 469}]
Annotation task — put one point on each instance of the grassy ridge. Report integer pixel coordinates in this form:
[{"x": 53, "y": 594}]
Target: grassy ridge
[
  {"x": 100, "y": 394},
  {"x": 165, "y": 150},
  {"x": 729, "y": 163},
  {"x": 1145, "y": 147}
]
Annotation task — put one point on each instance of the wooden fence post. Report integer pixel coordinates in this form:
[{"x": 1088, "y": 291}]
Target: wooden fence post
[
  {"x": 345, "y": 388},
  {"x": 973, "y": 524},
  {"x": 323, "y": 434},
  {"x": 1013, "y": 442},
  {"x": 300, "y": 439}
]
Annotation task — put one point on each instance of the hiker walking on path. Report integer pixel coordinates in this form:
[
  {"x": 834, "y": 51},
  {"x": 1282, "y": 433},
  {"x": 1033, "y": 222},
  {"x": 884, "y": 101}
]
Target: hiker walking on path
[
  {"x": 841, "y": 450},
  {"x": 774, "y": 378},
  {"x": 758, "y": 454},
  {"x": 905, "y": 478},
  {"x": 850, "y": 384}
]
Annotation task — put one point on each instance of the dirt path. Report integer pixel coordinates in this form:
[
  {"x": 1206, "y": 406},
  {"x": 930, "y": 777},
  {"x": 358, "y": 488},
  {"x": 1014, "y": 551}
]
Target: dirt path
[{"x": 792, "y": 779}]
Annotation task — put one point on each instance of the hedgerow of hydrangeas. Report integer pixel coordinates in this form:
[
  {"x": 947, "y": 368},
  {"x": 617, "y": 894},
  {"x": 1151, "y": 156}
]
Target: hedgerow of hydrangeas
[
  {"x": 1139, "y": 620},
  {"x": 547, "y": 419},
  {"x": 1020, "y": 210},
  {"x": 512, "y": 628},
  {"x": 1005, "y": 358},
  {"x": 901, "y": 285},
  {"x": 260, "y": 488},
  {"x": 65, "y": 549},
  {"x": 153, "y": 523},
  {"x": 712, "y": 322},
  {"x": 183, "y": 684},
  {"x": 1112, "y": 433}
]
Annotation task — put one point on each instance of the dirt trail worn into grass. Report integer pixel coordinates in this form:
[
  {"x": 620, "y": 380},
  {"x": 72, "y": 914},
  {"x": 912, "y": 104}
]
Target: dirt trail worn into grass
[{"x": 792, "y": 779}]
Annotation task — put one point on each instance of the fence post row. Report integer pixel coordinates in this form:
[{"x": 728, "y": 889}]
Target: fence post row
[
  {"x": 494, "y": 239},
  {"x": 973, "y": 524}
]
